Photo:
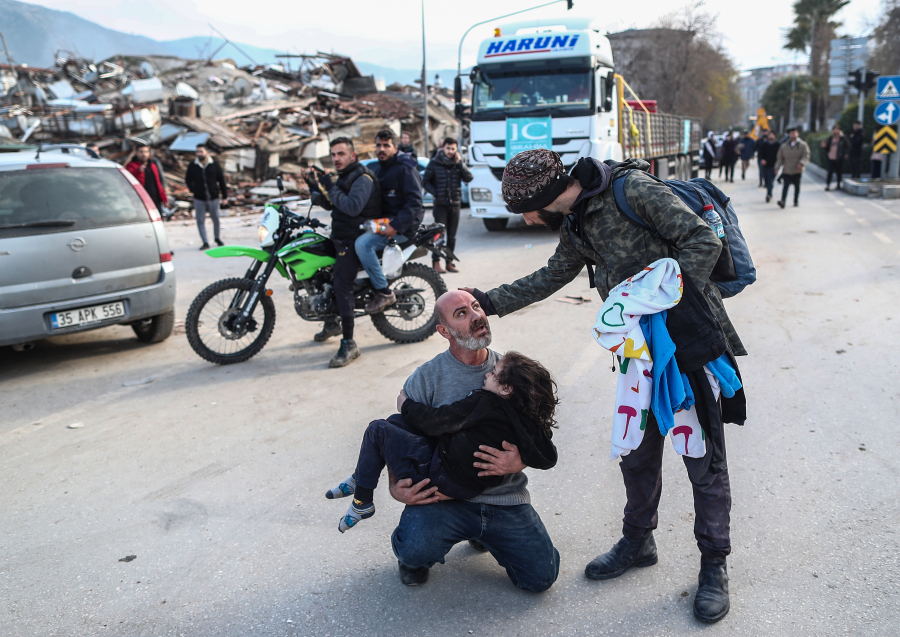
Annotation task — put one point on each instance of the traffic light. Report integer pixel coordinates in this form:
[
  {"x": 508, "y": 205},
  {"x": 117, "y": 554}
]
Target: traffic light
[{"x": 862, "y": 80}]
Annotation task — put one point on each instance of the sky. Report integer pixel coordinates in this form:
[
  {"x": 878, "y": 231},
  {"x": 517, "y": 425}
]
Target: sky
[{"x": 389, "y": 32}]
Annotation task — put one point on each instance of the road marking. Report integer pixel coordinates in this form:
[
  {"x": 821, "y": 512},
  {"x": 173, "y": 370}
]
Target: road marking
[
  {"x": 884, "y": 210},
  {"x": 882, "y": 237},
  {"x": 851, "y": 212},
  {"x": 863, "y": 222}
]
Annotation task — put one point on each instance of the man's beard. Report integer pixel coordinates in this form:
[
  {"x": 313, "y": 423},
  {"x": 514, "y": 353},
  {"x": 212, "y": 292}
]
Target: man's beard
[
  {"x": 552, "y": 220},
  {"x": 469, "y": 341}
]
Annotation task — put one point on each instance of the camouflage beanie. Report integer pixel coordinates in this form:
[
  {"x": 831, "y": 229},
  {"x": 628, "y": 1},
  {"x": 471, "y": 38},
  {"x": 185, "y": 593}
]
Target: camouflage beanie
[{"x": 533, "y": 179}]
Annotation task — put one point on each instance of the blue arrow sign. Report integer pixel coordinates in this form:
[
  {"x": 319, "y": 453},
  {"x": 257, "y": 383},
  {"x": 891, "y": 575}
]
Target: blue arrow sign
[
  {"x": 888, "y": 88},
  {"x": 887, "y": 113}
]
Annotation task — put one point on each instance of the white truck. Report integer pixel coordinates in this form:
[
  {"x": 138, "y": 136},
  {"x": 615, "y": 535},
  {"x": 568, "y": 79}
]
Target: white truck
[{"x": 552, "y": 84}]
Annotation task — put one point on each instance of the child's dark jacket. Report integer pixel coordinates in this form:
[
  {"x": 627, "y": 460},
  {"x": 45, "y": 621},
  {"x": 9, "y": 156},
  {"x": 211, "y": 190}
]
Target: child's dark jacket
[{"x": 481, "y": 418}]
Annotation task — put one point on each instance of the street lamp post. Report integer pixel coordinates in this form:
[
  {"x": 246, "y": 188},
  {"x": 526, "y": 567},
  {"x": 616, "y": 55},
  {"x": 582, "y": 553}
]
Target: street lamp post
[
  {"x": 424, "y": 82},
  {"x": 478, "y": 24}
]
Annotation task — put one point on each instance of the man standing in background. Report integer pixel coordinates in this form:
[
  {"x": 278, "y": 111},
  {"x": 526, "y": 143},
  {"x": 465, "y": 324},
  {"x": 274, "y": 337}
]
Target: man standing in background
[
  {"x": 836, "y": 149},
  {"x": 443, "y": 179},
  {"x": 149, "y": 172},
  {"x": 747, "y": 147},
  {"x": 406, "y": 146},
  {"x": 793, "y": 155},
  {"x": 767, "y": 154},
  {"x": 206, "y": 181}
]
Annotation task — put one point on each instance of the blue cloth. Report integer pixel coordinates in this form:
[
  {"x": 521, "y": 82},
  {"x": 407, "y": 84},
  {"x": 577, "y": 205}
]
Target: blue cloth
[
  {"x": 367, "y": 246},
  {"x": 514, "y": 535},
  {"x": 749, "y": 147},
  {"x": 669, "y": 393},
  {"x": 721, "y": 368}
]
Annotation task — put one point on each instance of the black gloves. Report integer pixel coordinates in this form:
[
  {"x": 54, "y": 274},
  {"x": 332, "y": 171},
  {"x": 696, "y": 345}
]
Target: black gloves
[
  {"x": 484, "y": 302},
  {"x": 325, "y": 181}
]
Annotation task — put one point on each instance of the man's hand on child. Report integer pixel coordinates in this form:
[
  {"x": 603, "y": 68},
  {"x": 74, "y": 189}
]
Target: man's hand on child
[
  {"x": 499, "y": 463},
  {"x": 401, "y": 398},
  {"x": 413, "y": 494}
]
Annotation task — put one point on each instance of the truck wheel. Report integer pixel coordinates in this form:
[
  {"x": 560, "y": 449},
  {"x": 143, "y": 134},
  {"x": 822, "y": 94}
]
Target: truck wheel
[
  {"x": 156, "y": 328},
  {"x": 494, "y": 225}
]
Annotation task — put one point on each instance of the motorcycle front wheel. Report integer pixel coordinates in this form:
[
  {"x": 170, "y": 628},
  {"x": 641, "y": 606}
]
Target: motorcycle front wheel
[
  {"x": 414, "y": 316},
  {"x": 210, "y": 323}
]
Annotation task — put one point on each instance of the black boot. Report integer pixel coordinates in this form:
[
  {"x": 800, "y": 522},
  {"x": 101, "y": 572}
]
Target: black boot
[
  {"x": 331, "y": 328},
  {"x": 345, "y": 354},
  {"x": 625, "y": 554},
  {"x": 413, "y": 576},
  {"x": 711, "y": 603}
]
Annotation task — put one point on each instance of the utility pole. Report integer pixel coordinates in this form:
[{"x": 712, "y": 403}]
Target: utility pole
[
  {"x": 793, "y": 89},
  {"x": 424, "y": 82}
]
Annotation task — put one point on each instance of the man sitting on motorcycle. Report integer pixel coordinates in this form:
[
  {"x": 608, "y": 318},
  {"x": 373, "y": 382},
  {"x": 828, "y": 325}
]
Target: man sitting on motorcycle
[
  {"x": 353, "y": 198},
  {"x": 401, "y": 203}
]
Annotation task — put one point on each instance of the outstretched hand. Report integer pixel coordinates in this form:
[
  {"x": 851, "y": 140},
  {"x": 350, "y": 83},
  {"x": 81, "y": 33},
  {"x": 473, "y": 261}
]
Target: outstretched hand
[{"x": 499, "y": 463}]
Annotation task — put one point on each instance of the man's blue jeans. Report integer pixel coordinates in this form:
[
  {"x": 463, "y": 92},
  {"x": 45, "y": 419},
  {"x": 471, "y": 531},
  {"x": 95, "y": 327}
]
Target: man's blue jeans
[
  {"x": 366, "y": 247},
  {"x": 514, "y": 535},
  {"x": 768, "y": 174}
]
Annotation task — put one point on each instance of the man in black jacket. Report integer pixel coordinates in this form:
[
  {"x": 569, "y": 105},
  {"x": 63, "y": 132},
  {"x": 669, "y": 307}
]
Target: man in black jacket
[
  {"x": 406, "y": 145},
  {"x": 353, "y": 198},
  {"x": 443, "y": 178},
  {"x": 767, "y": 151},
  {"x": 205, "y": 179},
  {"x": 401, "y": 204},
  {"x": 857, "y": 139}
]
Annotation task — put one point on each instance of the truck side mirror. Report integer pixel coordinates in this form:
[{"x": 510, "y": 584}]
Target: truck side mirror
[
  {"x": 459, "y": 111},
  {"x": 610, "y": 83}
]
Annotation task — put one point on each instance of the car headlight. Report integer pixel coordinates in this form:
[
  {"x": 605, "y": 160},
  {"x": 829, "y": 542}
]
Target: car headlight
[
  {"x": 263, "y": 233},
  {"x": 480, "y": 194}
]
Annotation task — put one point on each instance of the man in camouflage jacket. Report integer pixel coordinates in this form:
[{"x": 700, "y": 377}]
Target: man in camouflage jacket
[{"x": 594, "y": 233}]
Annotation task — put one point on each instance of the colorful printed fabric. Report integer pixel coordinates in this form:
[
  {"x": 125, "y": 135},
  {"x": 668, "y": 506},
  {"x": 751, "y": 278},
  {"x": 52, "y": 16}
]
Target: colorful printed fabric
[
  {"x": 688, "y": 437},
  {"x": 654, "y": 289}
]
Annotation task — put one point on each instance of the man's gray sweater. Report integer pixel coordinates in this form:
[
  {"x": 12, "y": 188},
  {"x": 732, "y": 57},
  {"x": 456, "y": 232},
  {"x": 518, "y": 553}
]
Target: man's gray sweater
[{"x": 444, "y": 380}]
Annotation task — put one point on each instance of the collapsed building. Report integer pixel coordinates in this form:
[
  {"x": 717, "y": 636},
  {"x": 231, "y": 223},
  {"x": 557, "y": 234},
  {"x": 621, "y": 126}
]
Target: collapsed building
[{"x": 259, "y": 121}]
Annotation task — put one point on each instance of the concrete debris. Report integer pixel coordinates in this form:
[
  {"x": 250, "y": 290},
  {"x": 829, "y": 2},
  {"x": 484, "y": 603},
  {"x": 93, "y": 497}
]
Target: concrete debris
[{"x": 257, "y": 121}]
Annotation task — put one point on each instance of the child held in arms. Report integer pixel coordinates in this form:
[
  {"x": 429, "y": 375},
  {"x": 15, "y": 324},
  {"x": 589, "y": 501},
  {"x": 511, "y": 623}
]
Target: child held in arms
[{"x": 516, "y": 404}]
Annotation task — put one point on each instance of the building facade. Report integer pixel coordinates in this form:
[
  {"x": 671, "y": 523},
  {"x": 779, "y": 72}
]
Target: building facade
[{"x": 754, "y": 82}]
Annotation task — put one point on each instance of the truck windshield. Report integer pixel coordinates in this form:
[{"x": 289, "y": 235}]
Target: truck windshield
[{"x": 519, "y": 92}]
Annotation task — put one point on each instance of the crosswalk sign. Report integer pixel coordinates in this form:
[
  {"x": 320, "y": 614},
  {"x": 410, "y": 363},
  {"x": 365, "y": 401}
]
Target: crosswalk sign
[
  {"x": 888, "y": 88},
  {"x": 885, "y": 140}
]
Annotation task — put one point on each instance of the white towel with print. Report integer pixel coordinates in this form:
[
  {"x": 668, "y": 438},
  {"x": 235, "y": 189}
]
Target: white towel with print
[
  {"x": 617, "y": 328},
  {"x": 688, "y": 438}
]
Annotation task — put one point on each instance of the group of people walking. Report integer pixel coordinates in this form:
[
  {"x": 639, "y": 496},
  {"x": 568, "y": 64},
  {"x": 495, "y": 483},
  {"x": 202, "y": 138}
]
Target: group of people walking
[{"x": 790, "y": 156}]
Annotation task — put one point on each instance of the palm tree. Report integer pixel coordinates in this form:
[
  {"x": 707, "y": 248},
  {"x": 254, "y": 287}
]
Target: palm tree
[{"x": 814, "y": 29}]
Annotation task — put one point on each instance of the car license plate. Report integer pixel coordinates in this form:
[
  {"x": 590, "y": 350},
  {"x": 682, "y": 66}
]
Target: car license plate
[{"x": 86, "y": 315}]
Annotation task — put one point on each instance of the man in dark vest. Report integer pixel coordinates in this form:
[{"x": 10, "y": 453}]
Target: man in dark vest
[{"x": 353, "y": 198}]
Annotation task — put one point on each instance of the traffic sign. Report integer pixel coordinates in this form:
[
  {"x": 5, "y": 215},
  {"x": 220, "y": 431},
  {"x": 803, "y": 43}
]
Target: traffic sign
[
  {"x": 888, "y": 88},
  {"x": 885, "y": 140},
  {"x": 887, "y": 113}
]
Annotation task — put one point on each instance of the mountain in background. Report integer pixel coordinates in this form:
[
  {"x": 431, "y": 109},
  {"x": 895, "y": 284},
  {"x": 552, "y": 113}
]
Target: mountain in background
[{"x": 34, "y": 35}]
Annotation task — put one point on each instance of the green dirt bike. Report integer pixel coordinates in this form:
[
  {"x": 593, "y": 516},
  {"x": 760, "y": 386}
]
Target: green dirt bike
[{"x": 231, "y": 320}]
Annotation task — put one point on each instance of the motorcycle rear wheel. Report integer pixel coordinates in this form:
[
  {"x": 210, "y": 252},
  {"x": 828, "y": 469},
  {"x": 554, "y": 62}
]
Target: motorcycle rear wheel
[
  {"x": 412, "y": 318},
  {"x": 207, "y": 323}
]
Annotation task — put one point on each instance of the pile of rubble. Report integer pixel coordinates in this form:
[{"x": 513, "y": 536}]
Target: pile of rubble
[{"x": 259, "y": 121}]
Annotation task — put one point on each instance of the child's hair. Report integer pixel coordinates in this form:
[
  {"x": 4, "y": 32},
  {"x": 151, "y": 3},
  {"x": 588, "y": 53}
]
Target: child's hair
[{"x": 534, "y": 390}]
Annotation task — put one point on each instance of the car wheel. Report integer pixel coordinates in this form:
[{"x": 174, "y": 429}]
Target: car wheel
[{"x": 156, "y": 328}]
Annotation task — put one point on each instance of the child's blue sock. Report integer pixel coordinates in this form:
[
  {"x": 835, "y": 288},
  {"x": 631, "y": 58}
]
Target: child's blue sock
[
  {"x": 345, "y": 488},
  {"x": 358, "y": 511}
]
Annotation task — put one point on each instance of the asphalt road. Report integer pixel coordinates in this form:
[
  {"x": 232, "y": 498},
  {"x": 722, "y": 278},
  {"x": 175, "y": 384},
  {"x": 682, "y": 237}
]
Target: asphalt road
[{"x": 213, "y": 477}]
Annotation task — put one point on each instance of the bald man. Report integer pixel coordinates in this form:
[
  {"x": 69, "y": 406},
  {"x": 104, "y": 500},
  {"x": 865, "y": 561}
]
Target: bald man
[{"x": 500, "y": 520}]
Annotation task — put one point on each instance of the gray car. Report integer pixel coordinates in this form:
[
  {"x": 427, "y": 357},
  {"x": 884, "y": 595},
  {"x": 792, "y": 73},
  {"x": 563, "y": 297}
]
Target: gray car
[{"x": 82, "y": 246}]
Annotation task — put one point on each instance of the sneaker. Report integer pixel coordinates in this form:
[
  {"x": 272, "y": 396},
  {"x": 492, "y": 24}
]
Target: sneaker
[
  {"x": 345, "y": 355},
  {"x": 781, "y": 203},
  {"x": 768, "y": 198},
  {"x": 331, "y": 328},
  {"x": 205, "y": 246},
  {"x": 380, "y": 302},
  {"x": 796, "y": 203},
  {"x": 436, "y": 266},
  {"x": 219, "y": 243},
  {"x": 357, "y": 512},
  {"x": 827, "y": 188}
]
